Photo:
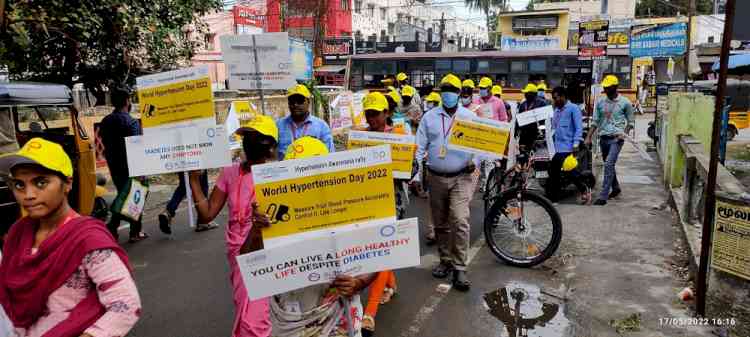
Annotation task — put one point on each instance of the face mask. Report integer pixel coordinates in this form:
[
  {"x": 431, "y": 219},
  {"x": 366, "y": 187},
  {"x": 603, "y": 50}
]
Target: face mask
[
  {"x": 484, "y": 92},
  {"x": 465, "y": 100},
  {"x": 540, "y": 94},
  {"x": 450, "y": 99},
  {"x": 430, "y": 105}
]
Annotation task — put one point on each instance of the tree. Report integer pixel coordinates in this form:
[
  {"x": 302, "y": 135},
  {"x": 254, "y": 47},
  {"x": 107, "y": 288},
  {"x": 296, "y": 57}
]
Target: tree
[
  {"x": 100, "y": 43},
  {"x": 489, "y": 8},
  {"x": 667, "y": 8}
]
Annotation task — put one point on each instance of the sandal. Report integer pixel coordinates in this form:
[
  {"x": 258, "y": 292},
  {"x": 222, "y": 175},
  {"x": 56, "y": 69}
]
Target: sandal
[
  {"x": 205, "y": 227},
  {"x": 368, "y": 323},
  {"x": 139, "y": 237},
  {"x": 388, "y": 294}
]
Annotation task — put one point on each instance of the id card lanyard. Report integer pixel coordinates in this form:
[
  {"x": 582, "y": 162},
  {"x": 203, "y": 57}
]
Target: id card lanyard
[
  {"x": 293, "y": 128},
  {"x": 444, "y": 147}
]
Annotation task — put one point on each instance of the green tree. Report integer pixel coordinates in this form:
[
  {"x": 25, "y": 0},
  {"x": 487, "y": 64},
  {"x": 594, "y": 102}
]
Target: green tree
[
  {"x": 667, "y": 8},
  {"x": 490, "y": 9},
  {"x": 99, "y": 43}
]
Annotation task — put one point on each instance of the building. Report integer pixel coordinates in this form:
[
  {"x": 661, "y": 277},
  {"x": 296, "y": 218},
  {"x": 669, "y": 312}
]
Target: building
[
  {"x": 533, "y": 30},
  {"x": 413, "y": 21},
  {"x": 620, "y": 9},
  {"x": 300, "y": 23}
]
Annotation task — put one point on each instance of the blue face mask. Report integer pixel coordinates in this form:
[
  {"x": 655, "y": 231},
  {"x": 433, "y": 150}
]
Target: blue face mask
[
  {"x": 540, "y": 94},
  {"x": 484, "y": 92},
  {"x": 450, "y": 99}
]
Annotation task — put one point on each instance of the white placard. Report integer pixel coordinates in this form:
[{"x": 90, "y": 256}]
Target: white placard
[
  {"x": 6, "y": 327},
  {"x": 535, "y": 115},
  {"x": 178, "y": 150},
  {"x": 274, "y": 62},
  {"x": 354, "y": 250}
]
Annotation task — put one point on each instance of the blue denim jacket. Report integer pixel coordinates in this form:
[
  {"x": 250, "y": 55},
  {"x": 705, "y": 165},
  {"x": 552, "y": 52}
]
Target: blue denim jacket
[{"x": 568, "y": 125}]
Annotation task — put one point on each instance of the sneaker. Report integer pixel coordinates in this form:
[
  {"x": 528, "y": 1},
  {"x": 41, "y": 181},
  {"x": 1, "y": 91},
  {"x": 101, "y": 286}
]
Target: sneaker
[
  {"x": 442, "y": 270},
  {"x": 461, "y": 281},
  {"x": 615, "y": 193},
  {"x": 600, "y": 202},
  {"x": 165, "y": 219}
]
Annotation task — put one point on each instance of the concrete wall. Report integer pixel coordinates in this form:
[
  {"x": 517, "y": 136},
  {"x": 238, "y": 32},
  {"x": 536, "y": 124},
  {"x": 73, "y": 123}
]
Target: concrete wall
[{"x": 689, "y": 113}]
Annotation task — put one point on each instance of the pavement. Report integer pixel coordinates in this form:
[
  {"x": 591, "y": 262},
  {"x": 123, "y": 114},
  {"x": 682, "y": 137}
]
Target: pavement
[{"x": 614, "y": 271}]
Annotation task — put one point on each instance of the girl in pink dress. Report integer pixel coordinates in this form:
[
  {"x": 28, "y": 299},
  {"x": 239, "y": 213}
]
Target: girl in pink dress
[
  {"x": 235, "y": 186},
  {"x": 62, "y": 274}
]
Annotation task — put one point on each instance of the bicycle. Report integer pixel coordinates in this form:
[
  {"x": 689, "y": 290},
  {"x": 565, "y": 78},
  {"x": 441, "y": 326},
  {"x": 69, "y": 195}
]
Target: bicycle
[{"x": 510, "y": 208}]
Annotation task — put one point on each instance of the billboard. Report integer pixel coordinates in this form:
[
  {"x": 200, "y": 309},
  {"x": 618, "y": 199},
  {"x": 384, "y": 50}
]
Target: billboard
[
  {"x": 530, "y": 43},
  {"x": 659, "y": 40},
  {"x": 593, "y": 39}
]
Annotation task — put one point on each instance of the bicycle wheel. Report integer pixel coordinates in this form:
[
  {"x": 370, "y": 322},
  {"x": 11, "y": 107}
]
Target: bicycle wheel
[
  {"x": 492, "y": 188},
  {"x": 522, "y": 229}
]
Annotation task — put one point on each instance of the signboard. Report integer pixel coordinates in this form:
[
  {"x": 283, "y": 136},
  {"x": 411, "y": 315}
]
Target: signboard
[
  {"x": 481, "y": 136},
  {"x": 530, "y": 43},
  {"x": 341, "y": 111},
  {"x": 402, "y": 148},
  {"x": 175, "y": 96},
  {"x": 730, "y": 250},
  {"x": 593, "y": 40},
  {"x": 274, "y": 65},
  {"x": 324, "y": 192},
  {"x": 178, "y": 150},
  {"x": 338, "y": 47},
  {"x": 659, "y": 40},
  {"x": 535, "y": 115},
  {"x": 319, "y": 260},
  {"x": 301, "y": 55},
  {"x": 247, "y": 16}
]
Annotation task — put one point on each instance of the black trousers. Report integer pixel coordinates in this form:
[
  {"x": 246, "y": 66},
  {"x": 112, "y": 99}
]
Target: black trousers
[{"x": 554, "y": 187}]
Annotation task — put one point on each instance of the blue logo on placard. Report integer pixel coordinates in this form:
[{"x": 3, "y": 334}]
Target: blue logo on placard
[
  {"x": 211, "y": 132},
  {"x": 137, "y": 197},
  {"x": 168, "y": 166},
  {"x": 387, "y": 231},
  {"x": 313, "y": 277}
]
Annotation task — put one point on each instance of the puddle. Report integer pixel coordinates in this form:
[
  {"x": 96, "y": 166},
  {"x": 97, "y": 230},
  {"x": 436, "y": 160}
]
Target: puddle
[{"x": 525, "y": 312}]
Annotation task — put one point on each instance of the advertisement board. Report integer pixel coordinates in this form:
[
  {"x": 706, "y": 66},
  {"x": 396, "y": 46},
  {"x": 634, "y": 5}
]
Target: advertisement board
[
  {"x": 593, "y": 40},
  {"x": 274, "y": 63},
  {"x": 659, "y": 40},
  {"x": 730, "y": 249}
]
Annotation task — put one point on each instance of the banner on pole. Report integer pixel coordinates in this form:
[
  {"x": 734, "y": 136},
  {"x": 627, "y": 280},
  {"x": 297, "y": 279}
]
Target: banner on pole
[
  {"x": 481, "y": 136},
  {"x": 274, "y": 69},
  {"x": 593, "y": 40},
  {"x": 175, "y": 96},
  {"x": 730, "y": 250},
  {"x": 353, "y": 252},
  {"x": 177, "y": 150},
  {"x": 325, "y": 192},
  {"x": 402, "y": 148}
]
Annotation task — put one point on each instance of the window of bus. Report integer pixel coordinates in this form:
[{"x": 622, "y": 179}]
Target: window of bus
[
  {"x": 619, "y": 66},
  {"x": 378, "y": 70},
  {"x": 421, "y": 72}
]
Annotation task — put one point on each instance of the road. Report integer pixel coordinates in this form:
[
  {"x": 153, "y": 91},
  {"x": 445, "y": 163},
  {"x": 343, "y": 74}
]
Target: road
[{"x": 614, "y": 262}]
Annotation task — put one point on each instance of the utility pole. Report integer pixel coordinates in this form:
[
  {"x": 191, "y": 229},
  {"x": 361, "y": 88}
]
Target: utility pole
[
  {"x": 605, "y": 6},
  {"x": 442, "y": 30},
  {"x": 691, "y": 13},
  {"x": 701, "y": 285}
]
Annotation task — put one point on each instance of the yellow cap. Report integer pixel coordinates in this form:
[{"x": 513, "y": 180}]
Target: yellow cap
[
  {"x": 391, "y": 88},
  {"x": 433, "y": 97},
  {"x": 299, "y": 89},
  {"x": 467, "y": 84},
  {"x": 395, "y": 96},
  {"x": 401, "y": 77},
  {"x": 497, "y": 90},
  {"x": 541, "y": 86},
  {"x": 375, "y": 101},
  {"x": 40, "y": 152},
  {"x": 485, "y": 82},
  {"x": 407, "y": 90},
  {"x": 451, "y": 80},
  {"x": 529, "y": 88},
  {"x": 570, "y": 163},
  {"x": 263, "y": 124},
  {"x": 305, "y": 147},
  {"x": 609, "y": 81}
]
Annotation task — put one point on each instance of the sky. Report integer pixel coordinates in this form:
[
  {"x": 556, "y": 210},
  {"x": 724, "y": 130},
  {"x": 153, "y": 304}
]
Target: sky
[{"x": 463, "y": 11}]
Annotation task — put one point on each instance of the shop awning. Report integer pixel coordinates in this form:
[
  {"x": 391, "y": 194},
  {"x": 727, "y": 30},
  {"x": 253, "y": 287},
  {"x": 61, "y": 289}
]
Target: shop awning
[{"x": 331, "y": 68}]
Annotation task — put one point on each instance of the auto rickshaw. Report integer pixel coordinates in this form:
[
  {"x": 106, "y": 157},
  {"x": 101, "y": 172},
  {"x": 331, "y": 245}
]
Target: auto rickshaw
[
  {"x": 739, "y": 93},
  {"x": 29, "y": 110}
]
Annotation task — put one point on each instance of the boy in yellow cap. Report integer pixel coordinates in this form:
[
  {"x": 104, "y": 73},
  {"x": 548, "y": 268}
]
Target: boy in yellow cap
[
  {"x": 410, "y": 107},
  {"x": 614, "y": 118},
  {"x": 468, "y": 100},
  {"x": 300, "y": 122},
  {"x": 450, "y": 181},
  {"x": 527, "y": 134}
]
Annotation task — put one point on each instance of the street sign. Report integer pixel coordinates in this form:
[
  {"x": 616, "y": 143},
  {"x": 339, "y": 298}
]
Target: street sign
[
  {"x": 659, "y": 40},
  {"x": 271, "y": 50},
  {"x": 593, "y": 40}
]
